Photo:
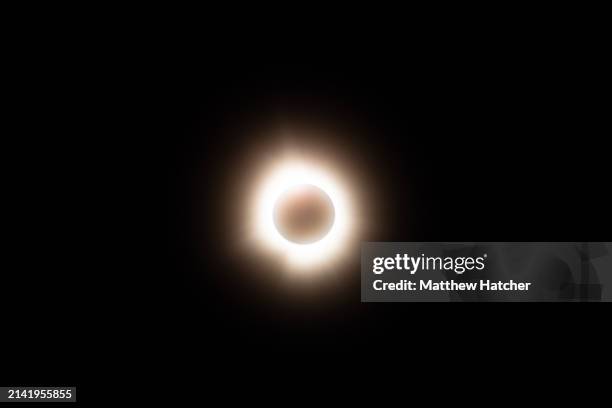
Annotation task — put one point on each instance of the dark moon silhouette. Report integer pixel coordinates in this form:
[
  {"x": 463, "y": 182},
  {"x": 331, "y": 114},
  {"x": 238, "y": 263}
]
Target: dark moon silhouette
[{"x": 304, "y": 214}]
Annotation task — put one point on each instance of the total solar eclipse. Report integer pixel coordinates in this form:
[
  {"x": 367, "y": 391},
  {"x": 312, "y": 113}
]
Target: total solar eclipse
[{"x": 302, "y": 213}]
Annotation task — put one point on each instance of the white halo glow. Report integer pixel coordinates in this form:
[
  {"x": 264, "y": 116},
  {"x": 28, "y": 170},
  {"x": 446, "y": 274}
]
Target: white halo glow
[{"x": 278, "y": 181}]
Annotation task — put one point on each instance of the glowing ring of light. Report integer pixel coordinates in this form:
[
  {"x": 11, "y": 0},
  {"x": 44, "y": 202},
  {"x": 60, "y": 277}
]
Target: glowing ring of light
[{"x": 278, "y": 181}]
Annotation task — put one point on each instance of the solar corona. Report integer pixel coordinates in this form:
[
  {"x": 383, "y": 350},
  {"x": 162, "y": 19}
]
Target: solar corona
[{"x": 302, "y": 213}]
